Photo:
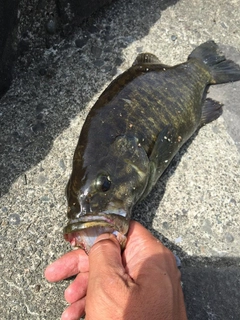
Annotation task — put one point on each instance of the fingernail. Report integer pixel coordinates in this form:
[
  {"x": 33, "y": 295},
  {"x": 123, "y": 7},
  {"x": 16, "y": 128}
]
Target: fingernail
[
  {"x": 121, "y": 238},
  {"x": 115, "y": 233}
]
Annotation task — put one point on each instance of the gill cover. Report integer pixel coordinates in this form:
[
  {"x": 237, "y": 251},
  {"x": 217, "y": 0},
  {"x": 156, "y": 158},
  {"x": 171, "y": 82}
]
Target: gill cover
[{"x": 117, "y": 180}]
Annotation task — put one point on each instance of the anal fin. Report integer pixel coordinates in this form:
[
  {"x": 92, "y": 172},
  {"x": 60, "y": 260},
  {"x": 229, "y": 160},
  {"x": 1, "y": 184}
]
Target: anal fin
[{"x": 211, "y": 111}]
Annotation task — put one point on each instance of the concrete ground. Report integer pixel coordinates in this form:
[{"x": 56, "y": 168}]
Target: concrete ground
[{"x": 194, "y": 208}]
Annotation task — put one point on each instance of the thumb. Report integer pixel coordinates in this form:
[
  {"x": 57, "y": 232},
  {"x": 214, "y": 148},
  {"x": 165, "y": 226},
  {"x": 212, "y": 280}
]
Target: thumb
[
  {"x": 105, "y": 256},
  {"x": 106, "y": 277}
]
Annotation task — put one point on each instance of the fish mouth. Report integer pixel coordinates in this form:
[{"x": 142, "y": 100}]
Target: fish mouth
[{"x": 83, "y": 231}]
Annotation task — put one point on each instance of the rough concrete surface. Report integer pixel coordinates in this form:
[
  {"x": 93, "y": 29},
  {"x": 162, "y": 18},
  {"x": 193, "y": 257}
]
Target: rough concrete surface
[{"x": 194, "y": 208}]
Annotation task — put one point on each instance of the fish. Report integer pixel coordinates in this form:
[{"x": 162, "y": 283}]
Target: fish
[{"x": 132, "y": 133}]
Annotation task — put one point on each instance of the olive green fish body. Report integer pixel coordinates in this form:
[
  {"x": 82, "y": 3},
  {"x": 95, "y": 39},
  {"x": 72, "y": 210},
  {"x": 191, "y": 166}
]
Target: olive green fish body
[{"x": 132, "y": 133}]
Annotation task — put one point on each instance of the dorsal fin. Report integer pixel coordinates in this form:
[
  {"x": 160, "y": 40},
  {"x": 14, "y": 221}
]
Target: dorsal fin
[
  {"x": 146, "y": 58},
  {"x": 150, "y": 62}
]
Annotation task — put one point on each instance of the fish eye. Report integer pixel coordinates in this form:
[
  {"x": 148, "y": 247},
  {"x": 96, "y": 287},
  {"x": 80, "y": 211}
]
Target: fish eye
[{"x": 104, "y": 183}]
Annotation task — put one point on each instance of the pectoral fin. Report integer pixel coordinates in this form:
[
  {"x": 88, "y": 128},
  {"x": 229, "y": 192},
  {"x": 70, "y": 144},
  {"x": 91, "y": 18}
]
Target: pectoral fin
[
  {"x": 165, "y": 144},
  {"x": 165, "y": 148}
]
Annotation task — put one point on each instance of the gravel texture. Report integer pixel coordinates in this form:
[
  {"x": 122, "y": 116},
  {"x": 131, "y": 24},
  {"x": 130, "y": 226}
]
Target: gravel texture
[{"x": 194, "y": 208}]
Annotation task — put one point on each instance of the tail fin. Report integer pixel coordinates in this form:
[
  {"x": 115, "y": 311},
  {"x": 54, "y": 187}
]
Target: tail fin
[{"x": 221, "y": 69}]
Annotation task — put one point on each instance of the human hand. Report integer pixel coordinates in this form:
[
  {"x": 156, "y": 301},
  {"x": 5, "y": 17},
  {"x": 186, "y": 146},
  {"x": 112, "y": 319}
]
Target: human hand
[
  {"x": 73, "y": 263},
  {"x": 144, "y": 283}
]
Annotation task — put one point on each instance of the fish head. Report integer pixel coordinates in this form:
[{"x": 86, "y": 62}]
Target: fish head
[{"x": 102, "y": 193}]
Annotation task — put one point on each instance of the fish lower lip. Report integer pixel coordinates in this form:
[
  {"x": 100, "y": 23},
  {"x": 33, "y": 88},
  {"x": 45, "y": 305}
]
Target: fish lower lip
[{"x": 83, "y": 232}]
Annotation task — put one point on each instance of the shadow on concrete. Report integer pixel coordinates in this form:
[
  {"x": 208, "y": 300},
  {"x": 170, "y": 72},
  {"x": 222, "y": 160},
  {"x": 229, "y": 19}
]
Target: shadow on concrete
[{"x": 34, "y": 113}]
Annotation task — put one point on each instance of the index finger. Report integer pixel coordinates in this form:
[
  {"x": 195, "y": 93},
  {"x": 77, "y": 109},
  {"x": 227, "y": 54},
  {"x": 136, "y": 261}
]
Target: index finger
[{"x": 67, "y": 266}]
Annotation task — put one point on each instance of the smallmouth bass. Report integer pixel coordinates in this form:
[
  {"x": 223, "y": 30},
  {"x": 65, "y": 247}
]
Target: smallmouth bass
[{"x": 131, "y": 135}]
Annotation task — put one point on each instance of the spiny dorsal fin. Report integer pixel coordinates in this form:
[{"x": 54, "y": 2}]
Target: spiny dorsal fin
[{"x": 146, "y": 58}]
